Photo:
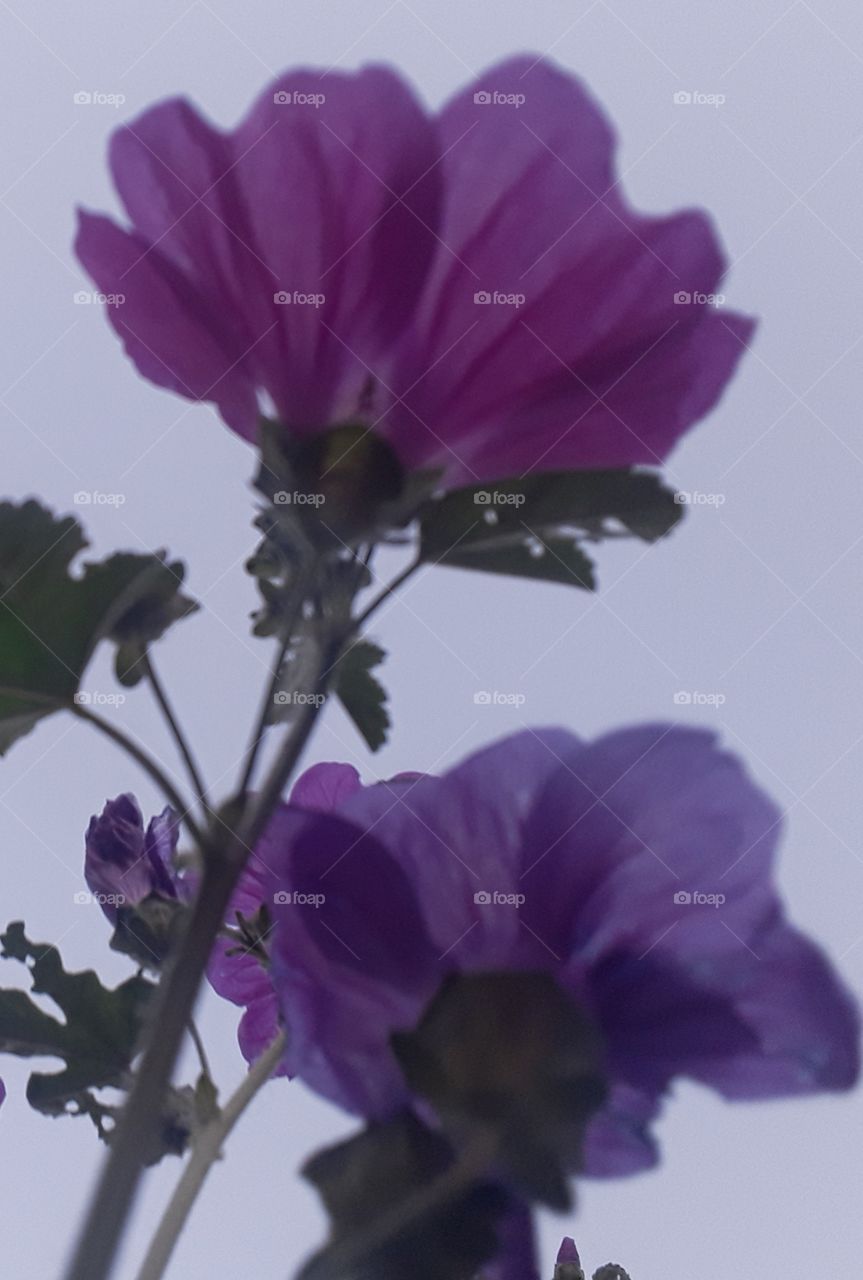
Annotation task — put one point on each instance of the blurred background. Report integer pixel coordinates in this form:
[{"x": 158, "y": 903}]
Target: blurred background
[{"x": 750, "y": 610}]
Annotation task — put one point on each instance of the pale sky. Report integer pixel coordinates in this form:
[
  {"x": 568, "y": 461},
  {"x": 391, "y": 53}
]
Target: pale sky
[{"x": 756, "y": 599}]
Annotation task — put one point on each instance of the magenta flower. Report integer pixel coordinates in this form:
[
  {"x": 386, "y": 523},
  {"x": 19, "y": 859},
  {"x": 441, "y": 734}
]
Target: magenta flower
[
  {"x": 470, "y": 284},
  {"x": 636, "y": 870},
  {"x": 124, "y": 863}
]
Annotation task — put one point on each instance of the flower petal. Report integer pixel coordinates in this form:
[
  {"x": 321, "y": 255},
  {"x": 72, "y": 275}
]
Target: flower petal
[
  {"x": 168, "y": 330},
  {"x": 561, "y": 377}
]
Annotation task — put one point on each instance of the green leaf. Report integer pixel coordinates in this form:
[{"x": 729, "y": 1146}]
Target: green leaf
[
  {"x": 555, "y": 558},
  {"x": 372, "y": 1185},
  {"x": 158, "y": 604},
  {"x": 361, "y": 694},
  {"x": 50, "y": 621},
  {"x": 96, "y": 1040},
  {"x": 533, "y": 526}
]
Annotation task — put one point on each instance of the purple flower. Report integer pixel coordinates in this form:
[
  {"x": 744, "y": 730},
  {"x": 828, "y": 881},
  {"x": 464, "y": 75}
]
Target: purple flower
[
  {"x": 235, "y": 971},
  {"x": 471, "y": 284},
  {"x": 636, "y": 870},
  {"x": 124, "y": 863}
]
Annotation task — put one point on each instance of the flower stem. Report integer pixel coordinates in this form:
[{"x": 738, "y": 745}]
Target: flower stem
[
  {"x": 388, "y": 591},
  {"x": 147, "y": 763},
  {"x": 225, "y": 851},
  {"x": 260, "y": 728},
  {"x": 206, "y": 1150},
  {"x": 176, "y": 731}
]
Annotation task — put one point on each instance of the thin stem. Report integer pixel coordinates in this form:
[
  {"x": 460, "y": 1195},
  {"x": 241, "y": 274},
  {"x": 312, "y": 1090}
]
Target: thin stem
[
  {"x": 388, "y": 591},
  {"x": 260, "y": 727},
  {"x": 176, "y": 731},
  {"x": 223, "y": 863},
  {"x": 147, "y": 763},
  {"x": 206, "y": 1151},
  {"x": 199, "y": 1049}
]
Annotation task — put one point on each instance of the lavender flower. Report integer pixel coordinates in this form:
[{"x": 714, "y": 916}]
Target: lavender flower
[
  {"x": 124, "y": 863},
  {"x": 470, "y": 284},
  {"x": 636, "y": 870}
]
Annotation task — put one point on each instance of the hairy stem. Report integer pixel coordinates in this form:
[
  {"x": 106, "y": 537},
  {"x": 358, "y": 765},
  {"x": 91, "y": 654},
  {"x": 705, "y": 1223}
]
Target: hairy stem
[
  {"x": 260, "y": 727},
  {"x": 147, "y": 763},
  {"x": 206, "y": 1151},
  {"x": 225, "y": 854},
  {"x": 176, "y": 732},
  {"x": 390, "y": 590}
]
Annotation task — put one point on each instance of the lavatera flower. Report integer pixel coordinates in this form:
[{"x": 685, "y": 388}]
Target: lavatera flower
[
  {"x": 469, "y": 286},
  {"x": 634, "y": 874}
]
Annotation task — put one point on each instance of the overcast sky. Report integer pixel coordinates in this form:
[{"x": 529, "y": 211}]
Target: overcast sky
[{"x": 755, "y": 599}]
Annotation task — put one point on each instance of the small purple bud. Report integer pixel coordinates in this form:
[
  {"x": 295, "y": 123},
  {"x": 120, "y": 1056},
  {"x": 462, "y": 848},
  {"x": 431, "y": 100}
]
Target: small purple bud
[
  {"x": 124, "y": 864},
  {"x": 568, "y": 1264}
]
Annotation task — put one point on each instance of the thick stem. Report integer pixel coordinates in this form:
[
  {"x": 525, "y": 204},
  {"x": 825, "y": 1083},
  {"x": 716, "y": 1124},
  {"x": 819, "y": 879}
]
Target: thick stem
[
  {"x": 348, "y": 1256},
  {"x": 226, "y": 854},
  {"x": 206, "y": 1151},
  {"x": 147, "y": 763},
  {"x": 262, "y": 718},
  {"x": 176, "y": 731}
]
